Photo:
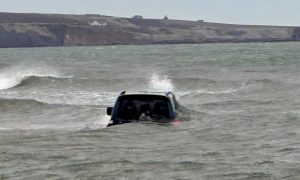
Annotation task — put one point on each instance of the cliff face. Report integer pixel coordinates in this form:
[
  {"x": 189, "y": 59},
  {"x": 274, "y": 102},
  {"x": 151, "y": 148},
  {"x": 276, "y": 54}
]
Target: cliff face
[
  {"x": 296, "y": 34},
  {"x": 24, "y": 35},
  {"x": 38, "y": 30},
  {"x": 89, "y": 36}
]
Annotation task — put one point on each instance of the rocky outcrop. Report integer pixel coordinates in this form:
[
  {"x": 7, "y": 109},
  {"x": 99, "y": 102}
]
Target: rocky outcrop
[
  {"x": 91, "y": 36},
  {"x": 23, "y": 35},
  {"x": 39, "y": 30}
]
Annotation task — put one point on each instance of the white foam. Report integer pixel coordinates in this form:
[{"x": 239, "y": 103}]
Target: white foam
[
  {"x": 4, "y": 129},
  {"x": 228, "y": 91},
  {"x": 160, "y": 83},
  {"x": 9, "y": 82},
  {"x": 101, "y": 123},
  {"x": 13, "y": 76},
  {"x": 210, "y": 92}
]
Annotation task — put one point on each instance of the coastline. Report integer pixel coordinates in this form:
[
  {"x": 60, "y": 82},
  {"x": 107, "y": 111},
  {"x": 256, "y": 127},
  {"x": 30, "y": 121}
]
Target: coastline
[{"x": 51, "y": 30}]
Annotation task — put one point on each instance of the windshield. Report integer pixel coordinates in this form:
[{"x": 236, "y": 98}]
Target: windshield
[{"x": 143, "y": 107}]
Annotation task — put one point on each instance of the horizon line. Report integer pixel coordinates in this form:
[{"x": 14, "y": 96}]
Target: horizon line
[{"x": 149, "y": 18}]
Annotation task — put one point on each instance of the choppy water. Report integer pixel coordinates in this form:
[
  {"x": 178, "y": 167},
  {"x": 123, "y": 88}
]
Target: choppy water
[{"x": 240, "y": 111}]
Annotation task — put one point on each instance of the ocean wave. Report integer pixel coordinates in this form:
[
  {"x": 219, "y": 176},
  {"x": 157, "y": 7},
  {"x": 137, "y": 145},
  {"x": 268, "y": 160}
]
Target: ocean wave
[
  {"x": 14, "y": 76},
  {"x": 34, "y": 112},
  {"x": 261, "y": 81},
  {"x": 251, "y": 85},
  {"x": 193, "y": 81},
  {"x": 238, "y": 103},
  {"x": 77, "y": 83},
  {"x": 227, "y": 91},
  {"x": 63, "y": 98},
  {"x": 5, "y": 129},
  {"x": 42, "y": 103},
  {"x": 11, "y": 82},
  {"x": 20, "y": 102},
  {"x": 209, "y": 92},
  {"x": 48, "y": 127}
]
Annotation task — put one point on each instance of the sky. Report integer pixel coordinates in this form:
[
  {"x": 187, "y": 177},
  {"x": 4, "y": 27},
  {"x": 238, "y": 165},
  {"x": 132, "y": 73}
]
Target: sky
[{"x": 260, "y": 12}]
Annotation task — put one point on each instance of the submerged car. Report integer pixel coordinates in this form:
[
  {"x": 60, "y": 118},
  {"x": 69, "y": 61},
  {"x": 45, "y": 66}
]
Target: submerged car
[{"x": 132, "y": 107}]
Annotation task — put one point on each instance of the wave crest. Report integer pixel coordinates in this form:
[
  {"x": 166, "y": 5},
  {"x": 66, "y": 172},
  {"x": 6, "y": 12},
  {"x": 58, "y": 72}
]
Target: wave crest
[
  {"x": 21, "y": 102},
  {"x": 14, "y": 76}
]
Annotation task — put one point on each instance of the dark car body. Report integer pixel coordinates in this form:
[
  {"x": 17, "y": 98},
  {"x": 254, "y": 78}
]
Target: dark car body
[{"x": 144, "y": 106}]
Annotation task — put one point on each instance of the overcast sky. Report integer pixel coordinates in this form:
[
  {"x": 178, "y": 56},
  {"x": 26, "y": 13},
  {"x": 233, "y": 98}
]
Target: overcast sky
[{"x": 269, "y": 12}]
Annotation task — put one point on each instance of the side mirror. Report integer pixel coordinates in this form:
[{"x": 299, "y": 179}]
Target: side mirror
[{"x": 109, "y": 111}]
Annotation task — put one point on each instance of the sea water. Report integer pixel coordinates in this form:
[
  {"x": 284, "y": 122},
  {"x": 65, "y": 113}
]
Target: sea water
[{"x": 239, "y": 107}]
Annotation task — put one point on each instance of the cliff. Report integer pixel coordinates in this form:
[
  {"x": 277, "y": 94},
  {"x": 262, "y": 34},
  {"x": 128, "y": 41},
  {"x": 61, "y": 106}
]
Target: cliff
[{"x": 39, "y": 30}]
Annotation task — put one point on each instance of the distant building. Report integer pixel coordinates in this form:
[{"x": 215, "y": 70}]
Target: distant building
[
  {"x": 166, "y": 17},
  {"x": 96, "y": 23}
]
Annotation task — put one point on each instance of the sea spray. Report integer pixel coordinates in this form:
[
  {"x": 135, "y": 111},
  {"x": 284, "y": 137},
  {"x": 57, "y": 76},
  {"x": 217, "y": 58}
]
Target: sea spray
[
  {"x": 160, "y": 83},
  {"x": 104, "y": 120},
  {"x": 9, "y": 82},
  {"x": 13, "y": 76}
]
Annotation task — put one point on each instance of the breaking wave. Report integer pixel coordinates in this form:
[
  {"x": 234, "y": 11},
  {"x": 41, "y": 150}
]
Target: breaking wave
[
  {"x": 13, "y": 76},
  {"x": 11, "y": 103}
]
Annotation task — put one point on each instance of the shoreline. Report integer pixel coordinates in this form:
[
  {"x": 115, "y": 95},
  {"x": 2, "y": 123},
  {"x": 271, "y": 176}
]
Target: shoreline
[
  {"x": 209, "y": 43},
  {"x": 58, "y": 30}
]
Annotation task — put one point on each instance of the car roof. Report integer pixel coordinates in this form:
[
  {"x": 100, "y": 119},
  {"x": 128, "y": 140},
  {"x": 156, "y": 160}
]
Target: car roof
[{"x": 165, "y": 94}]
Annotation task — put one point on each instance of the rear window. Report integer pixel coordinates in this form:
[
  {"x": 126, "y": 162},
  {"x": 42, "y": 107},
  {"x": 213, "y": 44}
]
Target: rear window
[{"x": 136, "y": 106}]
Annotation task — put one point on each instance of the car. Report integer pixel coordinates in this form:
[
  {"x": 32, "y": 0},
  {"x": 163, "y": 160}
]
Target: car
[{"x": 143, "y": 106}]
